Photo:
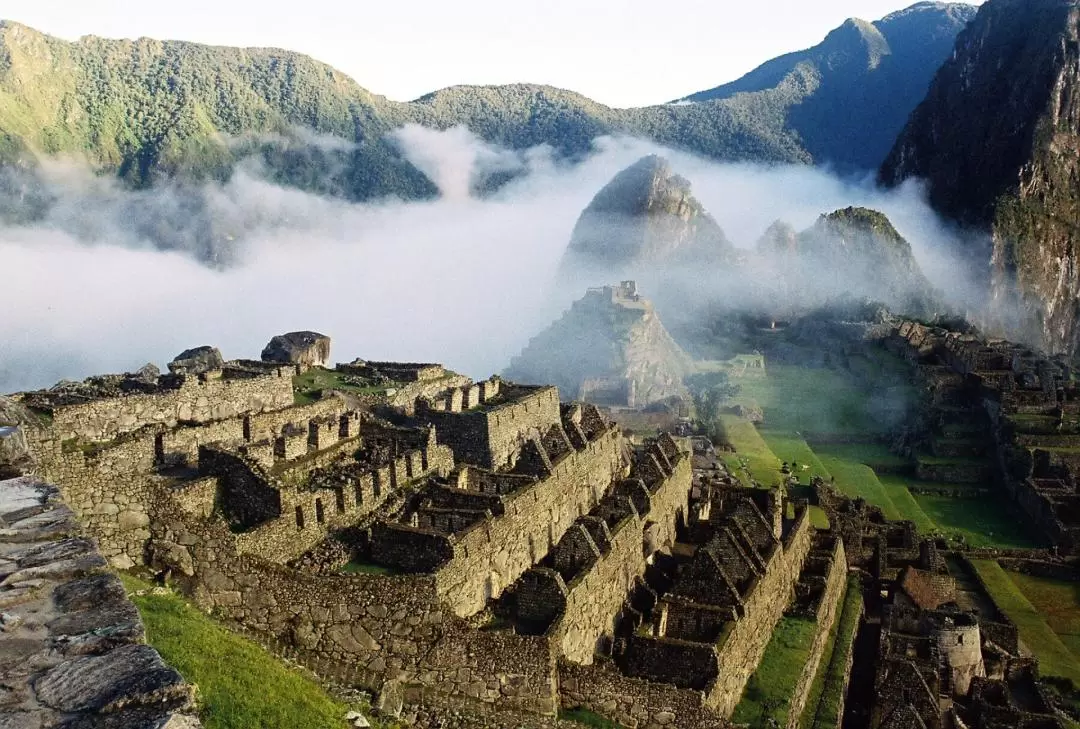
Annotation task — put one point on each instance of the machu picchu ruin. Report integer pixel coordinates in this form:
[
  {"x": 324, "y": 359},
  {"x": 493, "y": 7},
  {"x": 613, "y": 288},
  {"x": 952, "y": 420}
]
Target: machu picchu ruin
[{"x": 438, "y": 541}]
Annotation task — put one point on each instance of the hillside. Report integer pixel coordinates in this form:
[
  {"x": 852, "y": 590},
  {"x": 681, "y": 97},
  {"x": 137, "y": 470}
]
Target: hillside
[
  {"x": 848, "y": 97},
  {"x": 146, "y": 109},
  {"x": 1012, "y": 87},
  {"x": 150, "y": 110},
  {"x": 610, "y": 348}
]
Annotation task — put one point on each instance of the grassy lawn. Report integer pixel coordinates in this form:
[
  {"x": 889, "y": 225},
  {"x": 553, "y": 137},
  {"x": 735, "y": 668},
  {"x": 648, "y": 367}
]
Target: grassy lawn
[
  {"x": 1055, "y": 658},
  {"x": 241, "y": 685},
  {"x": 818, "y": 518},
  {"x": 791, "y": 448},
  {"x": 907, "y": 504},
  {"x": 309, "y": 386},
  {"x": 808, "y": 400},
  {"x": 857, "y": 479},
  {"x": 762, "y": 463},
  {"x": 768, "y": 692},
  {"x": 823, "y": 704},
  {"x": 1058, "y": 602},
  {"x": 983, "y": 522},
  {"x": 874, "y": 455},
  {"x": 587, "y": 718}
]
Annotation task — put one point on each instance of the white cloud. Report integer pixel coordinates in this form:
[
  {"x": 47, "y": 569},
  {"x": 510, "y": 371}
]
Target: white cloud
[{"x": 460, "y": 280}]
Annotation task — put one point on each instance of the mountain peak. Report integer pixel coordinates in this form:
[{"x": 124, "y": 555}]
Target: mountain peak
[{"x": 646, "y": 215}]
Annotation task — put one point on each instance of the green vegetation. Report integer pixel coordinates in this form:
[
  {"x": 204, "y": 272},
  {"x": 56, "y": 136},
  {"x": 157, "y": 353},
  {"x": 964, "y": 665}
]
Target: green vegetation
[
  {"x": 810, "y": 401},
  {"x": 308, "y": 387},
  {"x": 794, "y": 451},
  {"x": 761, "y": 463},
  {"x": 827, "y": 692},
  {"x": 587, "y": 718},
  {"x": 1055, "y": 658},
  {"x": 241, "y": 686},
  {"x": 818, "y": 518},
  {"x": 859, "y": 480},
  {"x": 1058, "y": 602},
  {"x": 981, "y": 522},
  {"x": 768, "y": 692},
  {"x": 146, "y": 110}
]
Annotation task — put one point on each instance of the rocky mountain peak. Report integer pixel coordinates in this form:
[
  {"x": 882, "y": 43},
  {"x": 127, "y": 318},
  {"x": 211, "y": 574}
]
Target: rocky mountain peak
[
  {"x": 646, "y": 215},
  {"x": 997, "y": 141}
]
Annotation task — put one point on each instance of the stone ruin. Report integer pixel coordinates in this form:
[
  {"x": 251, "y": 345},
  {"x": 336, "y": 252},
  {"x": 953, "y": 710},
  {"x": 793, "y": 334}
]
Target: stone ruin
[
  {"x": 487, "y": 545},
  {"x": 477, "y": 542}
]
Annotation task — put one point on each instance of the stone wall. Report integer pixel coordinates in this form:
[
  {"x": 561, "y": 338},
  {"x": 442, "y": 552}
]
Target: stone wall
[
  {"x": 365, "y": 629},
  {"x": 260, "y": 426},
  {"x": 303, "y": 517},
  {"x": 72, "y": 650},
  {"x": 492, "y": 554},
  {"x": 633, "y": 702},
  {"x": 744, "y": 643},
  {"x": 110, "y": 490},
  {"x": 490, "y": 436},
  {"x": 595, "y": 597},
  {"x": 828, "y": 612},
  {"x": 195, "y": 399}
]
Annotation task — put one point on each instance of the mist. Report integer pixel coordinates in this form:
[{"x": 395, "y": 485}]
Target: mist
[{"x": 464, "y": 280}]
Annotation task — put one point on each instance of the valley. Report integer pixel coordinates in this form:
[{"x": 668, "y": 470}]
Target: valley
[{"x": 657, "y": 418}]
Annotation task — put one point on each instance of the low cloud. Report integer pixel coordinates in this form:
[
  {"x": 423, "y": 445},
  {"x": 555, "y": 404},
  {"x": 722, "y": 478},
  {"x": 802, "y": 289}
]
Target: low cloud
[{"x": 462, "y": 280}]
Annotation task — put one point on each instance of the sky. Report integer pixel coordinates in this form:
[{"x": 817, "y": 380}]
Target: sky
[{"x": 621, "y": 53}]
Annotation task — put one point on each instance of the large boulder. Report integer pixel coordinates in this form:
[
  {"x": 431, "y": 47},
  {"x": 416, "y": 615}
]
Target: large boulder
[
  {"x": 197, "y": 361},
  {"x": 304, "y": 348}
]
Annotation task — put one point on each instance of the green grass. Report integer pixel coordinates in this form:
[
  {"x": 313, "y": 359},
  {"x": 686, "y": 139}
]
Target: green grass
[
  {"x": 1055, "y": 658},
  {"x": 308, "y": 387},
  {"x": 762, "y": 463},
  {"x": 241, "y": 685},
  {"x": 874, "y": 455},
  {"x": 768, "y": 692},
  {"x": 791, "y": 448},
  {"x": 907, "y": 504},
  {"x": 983, "y": 522},
  {"x": 587, "y": 718},
  {"x": 818, "y": 518},
  {"x": 857, "y": 479},
  {"x": 809, "y": 400},
  {"x": 827, "y": 691},
  {"x": 1058, "y": 602}
]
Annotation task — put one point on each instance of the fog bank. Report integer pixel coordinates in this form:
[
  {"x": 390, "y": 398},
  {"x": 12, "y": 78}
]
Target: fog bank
[{"x": 459, "y": 280}]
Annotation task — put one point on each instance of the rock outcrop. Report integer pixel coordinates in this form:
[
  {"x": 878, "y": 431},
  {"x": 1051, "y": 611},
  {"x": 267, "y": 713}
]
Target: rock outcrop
[
  {"x": 71, "y": 642},
  {"x": 610, "y": 348},
  {"x": 997, "y": 141},
  {"x": 304, "y": 348},
  {"x": 197, "y": 361},
  {"x": 644, "y": 218},
  {"x": 854, "y": 253}
]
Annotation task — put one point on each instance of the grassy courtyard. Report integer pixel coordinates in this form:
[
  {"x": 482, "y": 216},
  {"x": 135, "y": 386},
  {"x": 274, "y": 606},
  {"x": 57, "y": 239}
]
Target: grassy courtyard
[{"x": 1058, "y": 602}]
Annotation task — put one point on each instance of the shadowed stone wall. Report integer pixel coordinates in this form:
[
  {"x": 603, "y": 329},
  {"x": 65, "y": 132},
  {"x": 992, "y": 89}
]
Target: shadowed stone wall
[{"x": 492, "y": 554}]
